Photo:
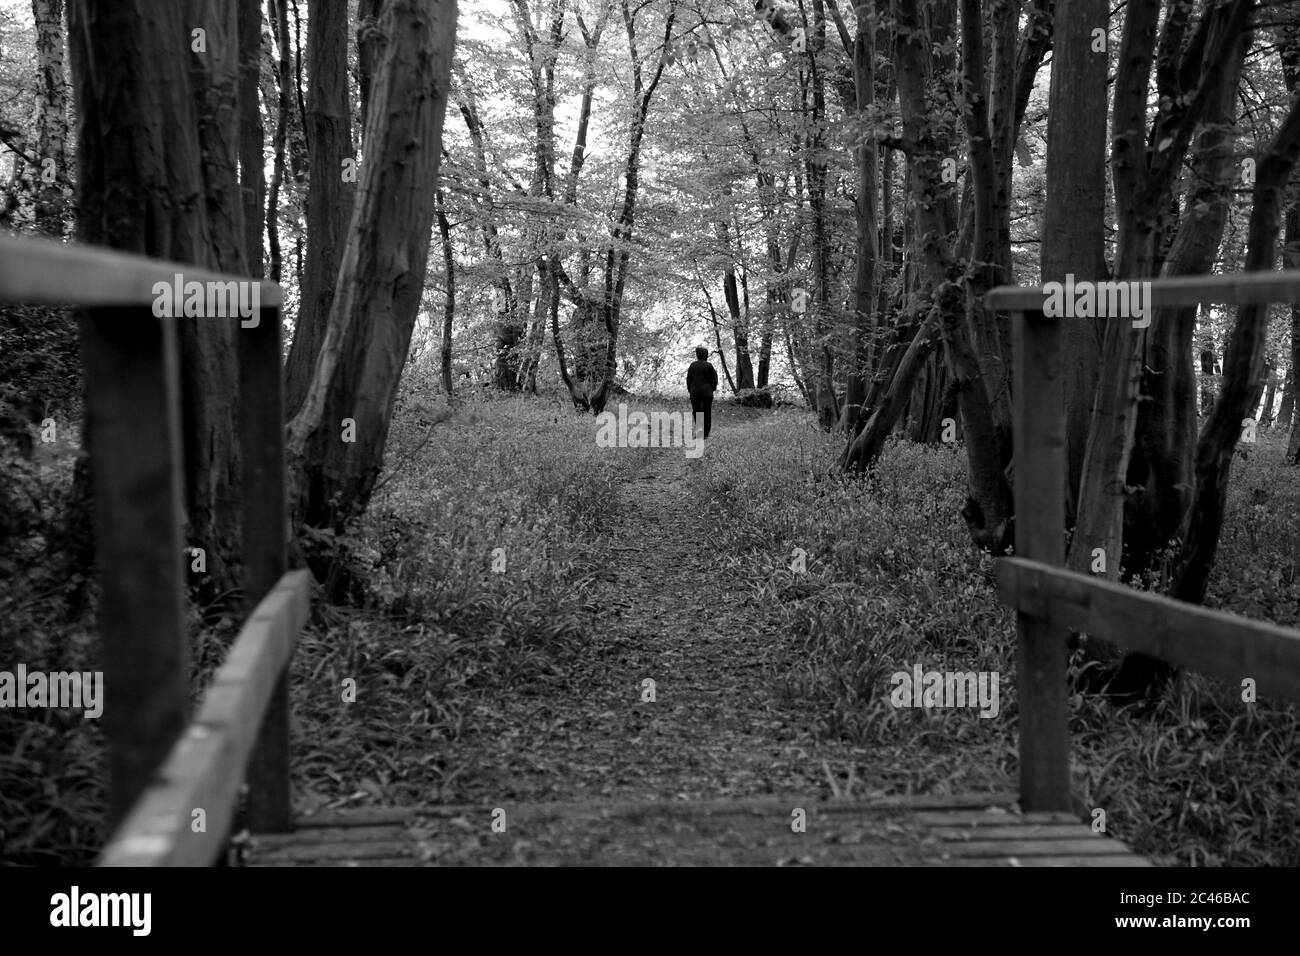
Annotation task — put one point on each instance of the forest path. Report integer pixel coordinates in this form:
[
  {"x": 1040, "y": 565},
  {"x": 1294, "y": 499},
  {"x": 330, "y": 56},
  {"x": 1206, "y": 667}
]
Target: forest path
[
  {"x": 582, "y": 768},
  {"x": 662, "y": 612}
]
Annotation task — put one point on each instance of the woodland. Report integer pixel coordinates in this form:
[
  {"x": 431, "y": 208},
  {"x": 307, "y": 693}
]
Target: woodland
[{"x": 494, "y": 220}]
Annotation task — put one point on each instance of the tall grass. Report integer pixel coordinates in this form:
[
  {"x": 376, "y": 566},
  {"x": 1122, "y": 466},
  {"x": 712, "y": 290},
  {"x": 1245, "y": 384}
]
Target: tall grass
[{"x": 892, "y": 580}]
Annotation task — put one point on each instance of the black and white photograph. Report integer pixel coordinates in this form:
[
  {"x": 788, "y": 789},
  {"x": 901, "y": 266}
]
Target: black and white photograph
[{"x": 650, "y": 434}]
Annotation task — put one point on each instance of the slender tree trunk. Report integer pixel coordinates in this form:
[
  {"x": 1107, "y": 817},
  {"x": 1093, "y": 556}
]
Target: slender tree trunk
[
  {"x": 989, "y": 508},
  {"x": 1074, "y": 228},
  {"x": 331, "y": 189},
  {"x": 1165, "y": 436},
  {"x": 1288, "y": 394},
  {"x": 280, "y": 33},
  {"x": 1242, "y": 368},
  {"x": 208, "y": 349},
  {"x": 51, "y": 119},
  {"x": 336, "y": 440},
  {"x": 744, "y": 367},
  {"x": 1146, "y": 165},
  {"x": 252, "y": 136},
  {"x": 867, "y": 251},
  {"x": 449, "y": 307},
  {"x": 1270, "y": 393}
]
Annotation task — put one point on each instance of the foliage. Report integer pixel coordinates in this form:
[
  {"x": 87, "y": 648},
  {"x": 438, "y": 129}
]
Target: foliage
[{"x": 1196, "y": 779}]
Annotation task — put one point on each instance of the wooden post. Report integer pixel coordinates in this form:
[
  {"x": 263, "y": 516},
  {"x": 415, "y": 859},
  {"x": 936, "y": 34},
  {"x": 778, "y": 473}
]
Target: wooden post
[
  {"x": 1040, "y": 525},
  {"x": 132, "y": 394},
  {"x": 261, "y": 429}
]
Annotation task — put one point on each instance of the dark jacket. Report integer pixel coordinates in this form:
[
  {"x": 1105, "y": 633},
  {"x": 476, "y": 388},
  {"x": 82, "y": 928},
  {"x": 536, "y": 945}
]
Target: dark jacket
[{"x": 701, "y": 379}]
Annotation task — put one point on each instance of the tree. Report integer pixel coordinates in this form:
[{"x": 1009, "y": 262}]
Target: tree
[
  {"x": 336, "y": 439},
  {"x": 1243, "y": 368},
  {"x": 331, "y": 188},
  {"x": 1074, "y": 217},
  {"x": 51, "y": 119}
]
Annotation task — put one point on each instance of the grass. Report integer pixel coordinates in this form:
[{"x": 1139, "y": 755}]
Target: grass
[
  {"x": 442, "y": 629},
  {"x": 1199, "y": 778}
]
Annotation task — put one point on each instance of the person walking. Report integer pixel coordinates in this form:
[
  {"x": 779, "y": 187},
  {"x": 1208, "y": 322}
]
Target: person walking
[{"x": 701, "y": 383}]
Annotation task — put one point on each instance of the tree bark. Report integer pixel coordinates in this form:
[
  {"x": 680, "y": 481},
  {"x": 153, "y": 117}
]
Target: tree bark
[
  {"x": 449, "y": 307},
  {"x": 381, "y": 280},
  {"x": 252, "y": 137},
  {"x": 1242, "y": 367},
  {"x": 989, "y": 507},
  {"x": 51, "y": 113},
  {"x": 1074, "y": 227},
  {"x": 280, "y": 33},
  {"x": 330, "y": 196},
  {"x": 1165, "y": 435}
]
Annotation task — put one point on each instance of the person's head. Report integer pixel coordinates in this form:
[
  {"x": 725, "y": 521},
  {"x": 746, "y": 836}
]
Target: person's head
[{"x": 701, "y": 353}]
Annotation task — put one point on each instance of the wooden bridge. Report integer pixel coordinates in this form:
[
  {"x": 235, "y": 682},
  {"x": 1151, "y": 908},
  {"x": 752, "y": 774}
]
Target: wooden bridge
[{"x": 165, "y": 770}]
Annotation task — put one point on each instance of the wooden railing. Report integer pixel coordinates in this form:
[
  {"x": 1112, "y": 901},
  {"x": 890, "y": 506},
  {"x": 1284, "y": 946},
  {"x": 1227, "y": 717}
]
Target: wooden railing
[
  {"x": 1050, "y": 600},
  {"x": 173, "y": 786}
]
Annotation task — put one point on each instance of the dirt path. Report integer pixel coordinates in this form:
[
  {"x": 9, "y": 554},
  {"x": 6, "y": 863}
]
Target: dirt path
[
  {"x": 715, "y": 770},
  {"x": 717, "y": 728}
]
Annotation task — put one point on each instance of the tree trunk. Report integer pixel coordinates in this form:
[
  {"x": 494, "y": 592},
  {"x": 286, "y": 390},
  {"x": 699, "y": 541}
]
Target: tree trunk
[
  {"x": 1288, "y": 393},
  {"x": 1074, "y": 228},
  {"x": 1165, "y": 435},
  {"x": 449, "y": 308},
  {"x": 744, "y": 367},
  {"x": 866, "y": 253},
  {"x": 208, "y": 348},
  {"x": 870, "y": 440},
  {"x": 51, "y": 119},
  {"x": 336, "y": 440},
  {"x": 989, "y": 508},
  {"x": 1146, "y": 165},
  {"x": 252, "y": 137},
  {"x": 330, "y": 195},
  {"x": 280, "y": 33},
  {"x": 1242, "y": 368},
  {"x": 1270, "y": 393}
]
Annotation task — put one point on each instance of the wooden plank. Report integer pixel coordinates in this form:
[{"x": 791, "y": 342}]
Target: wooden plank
[
  {"x": 310, "y": 835},
  {"x": 1082, "y": 846},
  {"x": 265, "y": 551},
  {"x": 1122, "y": 859},
  {"x": 1039, "y": 428},
  {"x": 369, "y": 816},
  {"x": 1187, "y": 635},
  {"x": 58, "y": 273},
  {"x": 382, "y": 861},
  {"x": 1088, "y": 860},
  {"x": 206, "y": 766},
  {"x": 1237, "y": 289},
  {"x": 337, "y": 852},
  {"x": 132, "y": 397},
  {"x": 1035, "y": 831},
  {"x": 998, "y": 819}
]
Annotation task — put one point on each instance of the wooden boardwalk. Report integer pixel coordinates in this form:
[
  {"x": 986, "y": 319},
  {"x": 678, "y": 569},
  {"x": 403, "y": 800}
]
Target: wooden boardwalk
[{"x": 980, "y": 830}]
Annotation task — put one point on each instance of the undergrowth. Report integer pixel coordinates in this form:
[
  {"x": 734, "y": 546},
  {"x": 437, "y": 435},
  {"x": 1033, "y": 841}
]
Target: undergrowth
[
  {"x": 475, "y": 555},
  {"x": 891, "y": 581}
]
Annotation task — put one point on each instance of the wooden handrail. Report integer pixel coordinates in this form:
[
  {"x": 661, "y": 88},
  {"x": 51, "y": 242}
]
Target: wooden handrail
[
  {"x": 1212, "y": 642},
  {"x": 58, "y": 273},
  {"x": 1239, "y": 289},
  {"x": 204, "y": 769},
  {"x": 132, "y": 399},
  {"x": 1050, "y": 601}
]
